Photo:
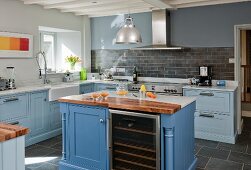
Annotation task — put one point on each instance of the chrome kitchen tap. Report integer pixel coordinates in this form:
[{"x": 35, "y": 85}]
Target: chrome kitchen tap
[{"x": 46, "y": 81}]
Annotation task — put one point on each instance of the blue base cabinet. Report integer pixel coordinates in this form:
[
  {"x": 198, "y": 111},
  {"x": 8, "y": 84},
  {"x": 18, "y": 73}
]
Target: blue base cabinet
[
  {"x": 45, "y": 118},
  {"x": 100, "y": 87},
  {"x": 55, "y": 116},
  {"x": 84, "y": 137},
  {"x": 177, "y": 140},
  {"x": 215, "y": 114},
  {"x": 39, "y": 113},
  {"x": 86, "y": 88}
]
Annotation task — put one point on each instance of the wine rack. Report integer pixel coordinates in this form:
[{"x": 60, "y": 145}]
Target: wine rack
[{"x": 135, "y": 142}]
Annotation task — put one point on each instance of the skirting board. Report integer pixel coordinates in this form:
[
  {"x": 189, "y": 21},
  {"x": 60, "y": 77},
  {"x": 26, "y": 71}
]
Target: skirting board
[
  {"x": 218, "y": 138},
  {"x": 43, "y": 137}
]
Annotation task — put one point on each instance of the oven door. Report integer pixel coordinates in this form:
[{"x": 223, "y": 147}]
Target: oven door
[{"x": 135, "y": 141}]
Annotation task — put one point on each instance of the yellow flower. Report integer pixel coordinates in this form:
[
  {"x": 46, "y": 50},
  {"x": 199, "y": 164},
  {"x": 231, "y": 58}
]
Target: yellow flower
[{"x": 72, "y": 59}]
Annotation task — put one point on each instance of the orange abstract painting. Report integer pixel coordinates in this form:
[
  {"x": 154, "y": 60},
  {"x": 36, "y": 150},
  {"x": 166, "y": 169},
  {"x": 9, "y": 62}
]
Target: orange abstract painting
[{"x": 14, "y": 44}]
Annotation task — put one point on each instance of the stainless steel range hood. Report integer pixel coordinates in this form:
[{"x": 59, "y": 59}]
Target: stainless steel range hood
[{"x": 161, "y": 32}]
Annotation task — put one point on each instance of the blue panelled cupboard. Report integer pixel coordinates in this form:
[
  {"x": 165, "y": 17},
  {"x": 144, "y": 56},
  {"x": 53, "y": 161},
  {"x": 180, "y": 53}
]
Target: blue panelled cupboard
[{"x": 87, "y": 138}]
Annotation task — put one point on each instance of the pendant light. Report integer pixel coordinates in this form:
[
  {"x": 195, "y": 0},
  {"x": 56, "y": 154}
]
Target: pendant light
[{"x": 128, "y": 34}]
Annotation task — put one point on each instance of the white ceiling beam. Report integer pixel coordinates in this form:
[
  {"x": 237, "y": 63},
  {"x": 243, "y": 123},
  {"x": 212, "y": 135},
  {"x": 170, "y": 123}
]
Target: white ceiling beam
[
  {"x": 44, "y": 1},
  {"x": 160, "y": 4},
  {"x": 125, "y": 5},
  {"x": 121, "y": 12},
  {"x": 211, "y": 2},
  {"x": 114, "y": 8},
  {"x": 79, "y": 3},
  {"x": 178, "y": 2}
]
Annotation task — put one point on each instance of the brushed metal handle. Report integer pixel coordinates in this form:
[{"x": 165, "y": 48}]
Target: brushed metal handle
[
  {"x": 10, "y": 100},
  {"x": 14, "y": 123},
  {"x": 111, "y": 88},
  {"x": 206, "y": 94},
  {"x": 101, "y": 120},
  {"x": 207, "y": 115}
]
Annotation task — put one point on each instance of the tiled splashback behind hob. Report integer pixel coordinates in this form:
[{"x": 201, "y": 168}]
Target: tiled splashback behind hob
[{"x": 168, "y": 64}]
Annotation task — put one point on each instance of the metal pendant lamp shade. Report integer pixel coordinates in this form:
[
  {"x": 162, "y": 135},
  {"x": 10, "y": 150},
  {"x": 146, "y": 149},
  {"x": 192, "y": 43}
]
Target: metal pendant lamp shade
[{"x": 128, "y": 34}]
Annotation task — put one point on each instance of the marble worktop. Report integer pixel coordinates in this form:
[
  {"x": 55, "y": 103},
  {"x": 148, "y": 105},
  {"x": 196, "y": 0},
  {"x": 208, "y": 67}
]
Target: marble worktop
[
  {"x": 39, "y": 87},
  {"x": 217, "y": 88}
]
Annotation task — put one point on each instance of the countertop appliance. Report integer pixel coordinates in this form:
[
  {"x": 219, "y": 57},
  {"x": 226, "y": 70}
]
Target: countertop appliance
[
  {"x": 159, "y": 88},
  {"x": 68, "y": 77},
  {"x": 135, "y": 140},
  {"x": 205, "y": 76},
  {"x": 11, "y": 77},
  {"x": 3, "y": 84}
]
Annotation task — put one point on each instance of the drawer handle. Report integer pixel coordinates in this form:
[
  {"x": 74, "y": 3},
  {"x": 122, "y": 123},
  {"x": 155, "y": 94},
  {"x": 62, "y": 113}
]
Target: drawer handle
[
  {"x": 111, "y": 88},
  {"x": 10, "y": 100},
  {"x": 14, "y": 123},
  {"x": 206, "y": 94},
  {"x": 206, "y": 115}
]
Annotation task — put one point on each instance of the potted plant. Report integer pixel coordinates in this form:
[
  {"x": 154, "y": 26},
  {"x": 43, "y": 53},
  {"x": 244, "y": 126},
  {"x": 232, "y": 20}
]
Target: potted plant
[{"x": 72, "y": 60}]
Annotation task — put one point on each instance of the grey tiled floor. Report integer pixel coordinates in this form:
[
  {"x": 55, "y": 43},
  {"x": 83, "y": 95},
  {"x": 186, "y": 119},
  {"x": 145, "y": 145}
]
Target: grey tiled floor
[
  {"x": 211, "y": 155},
  {"x": 221, "y": 156},
  {"x": 44, "y": 155}
]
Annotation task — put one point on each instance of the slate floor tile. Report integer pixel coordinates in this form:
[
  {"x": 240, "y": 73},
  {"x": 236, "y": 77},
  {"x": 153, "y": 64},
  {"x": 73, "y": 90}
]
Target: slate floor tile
[
  {"x": 202, "y": 161},
  {"x": 47, "y": 166},
  {"x": 247, "y": 167},
  {"x": 201, "y": 142},
  {"x": 249, "y": 149},
  {"x": 219, "y": 164},
  {"x": 55, "y": 157},
  {"x": 38, "y": 151},
  {"x": 215, "y": 153},
  {"x": 240, "y": 157},
  {"x": 57, "y": 146},
  {"x": 33, "y": 166},
  {"x": 197, "y": 148},
  {"x": 238, "y": 147},
  {"x": 50, "y": 142}
]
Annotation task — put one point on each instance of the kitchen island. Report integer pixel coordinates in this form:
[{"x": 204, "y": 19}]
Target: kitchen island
[{"x": 128, "y": 133}]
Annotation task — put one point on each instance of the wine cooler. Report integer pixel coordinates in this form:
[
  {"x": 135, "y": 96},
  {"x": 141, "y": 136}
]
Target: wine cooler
[{"x": 135, "y": 141}]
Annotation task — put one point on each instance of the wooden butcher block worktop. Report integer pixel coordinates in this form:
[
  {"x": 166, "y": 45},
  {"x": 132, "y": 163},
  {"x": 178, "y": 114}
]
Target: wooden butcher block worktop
[
  {"x": 125, "y": 104},
  {"x": 8, "y": 131}
]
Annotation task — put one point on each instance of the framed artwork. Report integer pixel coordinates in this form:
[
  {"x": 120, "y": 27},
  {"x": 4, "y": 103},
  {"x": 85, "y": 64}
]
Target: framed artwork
[{"x": 15, "y": 45}]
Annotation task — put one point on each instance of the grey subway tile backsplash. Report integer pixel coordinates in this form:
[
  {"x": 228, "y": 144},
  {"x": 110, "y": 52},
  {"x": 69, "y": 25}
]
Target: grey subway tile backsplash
[{"x": 168, "y": 64}]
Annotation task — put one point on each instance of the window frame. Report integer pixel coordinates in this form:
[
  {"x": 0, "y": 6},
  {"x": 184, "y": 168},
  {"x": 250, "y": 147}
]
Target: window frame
[{"x": 54, "y": 34}]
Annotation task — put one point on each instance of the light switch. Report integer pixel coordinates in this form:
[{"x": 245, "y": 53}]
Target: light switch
[{"x": 231, "y": 60}]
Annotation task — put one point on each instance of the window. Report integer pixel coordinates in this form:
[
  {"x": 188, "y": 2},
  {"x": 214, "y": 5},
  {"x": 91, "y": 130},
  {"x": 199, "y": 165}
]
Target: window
[
  {"x": 57, "y": 45},
  {"x": 48, "y": 45}
]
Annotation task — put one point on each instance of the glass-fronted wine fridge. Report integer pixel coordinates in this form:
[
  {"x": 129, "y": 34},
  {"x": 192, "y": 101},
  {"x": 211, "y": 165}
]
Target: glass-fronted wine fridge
[{"x": 135, "y": 141}]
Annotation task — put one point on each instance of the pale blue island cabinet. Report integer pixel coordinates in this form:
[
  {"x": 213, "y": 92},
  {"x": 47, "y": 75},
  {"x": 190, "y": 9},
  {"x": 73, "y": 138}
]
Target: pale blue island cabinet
[{"x": 87, "y": 140}]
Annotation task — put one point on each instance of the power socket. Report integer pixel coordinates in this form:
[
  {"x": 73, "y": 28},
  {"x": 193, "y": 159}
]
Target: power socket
[
  {"x": 121, "y": 70},
  {"x": 231, "y": 60}
]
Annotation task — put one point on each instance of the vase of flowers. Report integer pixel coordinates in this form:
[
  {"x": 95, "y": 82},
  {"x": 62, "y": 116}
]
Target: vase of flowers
[{"x": 72, "y": 60}]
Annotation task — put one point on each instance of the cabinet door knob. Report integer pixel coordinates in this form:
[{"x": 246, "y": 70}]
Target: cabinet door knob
[{"x": 101, "y": 120}]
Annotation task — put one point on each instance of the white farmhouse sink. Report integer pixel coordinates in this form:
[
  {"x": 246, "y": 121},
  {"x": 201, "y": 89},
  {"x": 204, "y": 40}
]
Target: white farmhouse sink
[{"x": 63, "y": 90}]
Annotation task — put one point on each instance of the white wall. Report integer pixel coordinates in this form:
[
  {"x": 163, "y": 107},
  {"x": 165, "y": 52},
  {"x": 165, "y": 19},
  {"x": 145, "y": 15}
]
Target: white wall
[
  {"x": 17, "y": 17},
  {"x": 68, "y": 43}
]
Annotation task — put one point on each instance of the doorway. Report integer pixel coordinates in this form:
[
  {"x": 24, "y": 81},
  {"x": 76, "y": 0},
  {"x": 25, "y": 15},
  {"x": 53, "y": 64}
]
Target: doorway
[
  {"x": 246, "y": 73},
  {"x": 243, "y": 72}
]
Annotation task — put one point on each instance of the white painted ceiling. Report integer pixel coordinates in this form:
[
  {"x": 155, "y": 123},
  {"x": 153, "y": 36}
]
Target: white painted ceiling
[{"x": 96, "y": 8}]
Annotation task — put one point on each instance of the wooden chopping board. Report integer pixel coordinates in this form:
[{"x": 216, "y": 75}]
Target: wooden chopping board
[{"x": 8, "y": 131}]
